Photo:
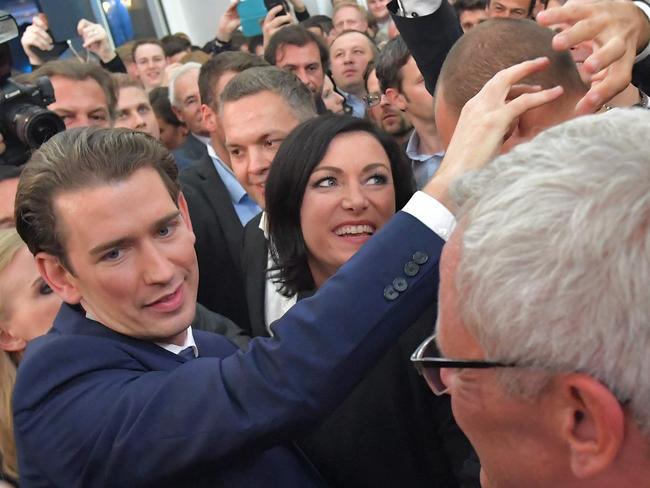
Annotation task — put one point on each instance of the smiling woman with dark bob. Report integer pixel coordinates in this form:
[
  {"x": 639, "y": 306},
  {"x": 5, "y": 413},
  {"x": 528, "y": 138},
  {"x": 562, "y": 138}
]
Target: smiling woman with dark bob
[
  {"x": 335, "y": 181},
  {"x": 289, "y": 179}
]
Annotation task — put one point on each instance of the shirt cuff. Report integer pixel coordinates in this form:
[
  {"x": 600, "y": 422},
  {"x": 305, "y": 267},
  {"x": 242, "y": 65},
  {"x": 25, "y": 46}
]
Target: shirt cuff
[
  {"x": 417, "y": 8},
  {"x": 645, "y": 8},
  {"x": 431, "y": 213}
]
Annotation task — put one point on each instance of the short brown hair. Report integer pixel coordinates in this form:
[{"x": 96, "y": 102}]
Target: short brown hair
[
  {"x": 122, "y": 80},
  {"x": 76, "y": 70},
  {"x": 497, "y": 44},
  {"x": 142, "y": 42},
  {"x": 214, "y": 69},
  {"x": 81, "y": 158}
]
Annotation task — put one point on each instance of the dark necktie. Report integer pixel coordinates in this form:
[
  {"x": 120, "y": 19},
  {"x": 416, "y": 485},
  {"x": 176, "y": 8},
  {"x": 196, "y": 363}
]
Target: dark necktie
[{"x": 187, "y": 353}]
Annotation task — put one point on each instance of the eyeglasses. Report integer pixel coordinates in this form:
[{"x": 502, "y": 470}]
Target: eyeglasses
[
  {"x": 428, "y": 363},
  {"x": 372, "y": 99}
]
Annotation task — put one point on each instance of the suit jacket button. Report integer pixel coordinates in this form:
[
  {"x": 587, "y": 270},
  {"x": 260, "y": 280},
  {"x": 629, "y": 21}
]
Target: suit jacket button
[
  {"x": 420, "y": 257},
  {"x": 411, "y": 269},
  {"x": 400, "y": 284},
  {"x": 390, "y": 293}
]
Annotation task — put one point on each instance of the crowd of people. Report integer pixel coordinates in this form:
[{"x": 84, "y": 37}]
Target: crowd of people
[{"x": 240, "y": 264}]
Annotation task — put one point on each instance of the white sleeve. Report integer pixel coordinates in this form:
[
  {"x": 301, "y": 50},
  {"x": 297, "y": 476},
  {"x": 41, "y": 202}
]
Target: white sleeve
[
  {"x": 417, "y": 8},
  {"x": 431, "y": 213}
]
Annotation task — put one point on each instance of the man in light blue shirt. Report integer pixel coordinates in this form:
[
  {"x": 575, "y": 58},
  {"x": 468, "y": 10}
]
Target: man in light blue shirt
[
  {"x": 244, "y": 205},
  {"x": 403, "y": 85},
  {"x": 350, "y": 54}
]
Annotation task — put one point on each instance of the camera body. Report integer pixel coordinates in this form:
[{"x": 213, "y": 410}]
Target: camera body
[{"x": 25, "y": 123}]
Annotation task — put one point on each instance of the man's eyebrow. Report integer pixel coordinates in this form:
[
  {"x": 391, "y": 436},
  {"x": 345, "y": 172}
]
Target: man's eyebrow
[{"x": 100, "y": 248}]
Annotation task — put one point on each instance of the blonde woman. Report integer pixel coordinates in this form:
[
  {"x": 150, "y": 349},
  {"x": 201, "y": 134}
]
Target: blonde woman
[{"x": 27, "y": 310}]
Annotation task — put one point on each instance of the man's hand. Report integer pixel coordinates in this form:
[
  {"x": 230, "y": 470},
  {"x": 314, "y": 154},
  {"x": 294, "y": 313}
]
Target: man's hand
[
  {"x": 484, "y": 122},
  {"x": 619, "y": 30},
  {"x": 95, "y": 40},
  {"x": 228, "y": 23},
  {"x": 36, "y": 36},
  {"x": 274, "y": 22},
  {"x": 3, "y": 146}
]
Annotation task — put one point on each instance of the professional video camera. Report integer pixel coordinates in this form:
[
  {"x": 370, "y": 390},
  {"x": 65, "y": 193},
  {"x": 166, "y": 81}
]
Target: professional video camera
[{"x": 25, "y": 123}]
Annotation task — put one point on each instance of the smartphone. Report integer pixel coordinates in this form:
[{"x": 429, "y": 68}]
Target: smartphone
[
  {"x": 251, "y": 13},
  {"x": 63, "y": 20},
  {"x": 272, "y": 3},
  {"x": 58, "y": 48}
]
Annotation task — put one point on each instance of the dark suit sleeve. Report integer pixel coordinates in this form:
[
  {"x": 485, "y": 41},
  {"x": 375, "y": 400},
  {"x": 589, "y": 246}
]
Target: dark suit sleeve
[
  {"x": 114, "y": 410},
  {"x": 429, "y": 38}
]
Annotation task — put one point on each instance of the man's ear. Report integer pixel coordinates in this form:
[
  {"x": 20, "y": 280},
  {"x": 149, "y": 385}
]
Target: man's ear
[
  {"x": 178, "y": 114},
  {"x": 58, "y": 278},
  {"x": 11, "y": 343},
  {"x": 185, "y": 211},
  {"x": 396, "y": 99},
  {"x": 592, "y": 424},
  {"x": 210, "y": 118}
]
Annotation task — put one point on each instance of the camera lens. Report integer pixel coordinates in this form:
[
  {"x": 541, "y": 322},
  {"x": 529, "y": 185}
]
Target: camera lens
[{"x": 34, "y": 125}]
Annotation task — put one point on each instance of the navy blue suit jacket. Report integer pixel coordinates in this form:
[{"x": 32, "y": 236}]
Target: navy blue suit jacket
[{"x": 95, "y": 408}]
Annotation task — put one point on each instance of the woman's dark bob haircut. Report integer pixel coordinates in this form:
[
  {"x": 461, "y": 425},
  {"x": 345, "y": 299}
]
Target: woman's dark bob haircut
[{"x": 294, "y": 163}]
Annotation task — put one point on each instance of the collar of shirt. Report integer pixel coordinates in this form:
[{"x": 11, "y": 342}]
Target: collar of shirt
[
  {"x": 189, "y": 340},
  {"x": 413, "y": 148},
  {"x": 264, "y": 225},
  {"x": 235, "y": 190},
  {"x": 203, "y": 139},
  {"x": 357, "y": 105}
]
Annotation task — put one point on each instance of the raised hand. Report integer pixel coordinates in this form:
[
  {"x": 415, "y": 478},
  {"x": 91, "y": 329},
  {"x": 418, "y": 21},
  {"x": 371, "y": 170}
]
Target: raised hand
[
  {"x": 273, "y": 22},
  {"x": 619, "y": 30},
  {"x": 36, "y": 36},
  {"x": 485, "y": 121},
  {"x": 95, "y": 40},
  {"x": 228, "y": 23}
]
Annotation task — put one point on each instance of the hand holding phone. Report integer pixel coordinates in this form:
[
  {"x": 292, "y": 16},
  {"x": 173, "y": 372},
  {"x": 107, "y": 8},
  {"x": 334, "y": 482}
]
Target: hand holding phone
[
  {"x": 275, "y": 21},
  {"x": 273, "y": 3}
]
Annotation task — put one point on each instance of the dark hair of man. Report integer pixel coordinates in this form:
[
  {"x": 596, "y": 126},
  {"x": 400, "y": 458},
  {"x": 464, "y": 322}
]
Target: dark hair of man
[
  {"x": 294, "y": 35},
  {"x": 282, "y": 83},
  {"x": 122, "y": 80},
  {"x": 75, "y": 70},
  {"x": 125, "y": 52},
  {"x": 174, "y": 44},
  {"x": 389, "y": 64},
  {"x": 76, "y": 159},
  {"x": 366, "y": 74},
  {"x": 253, "y": 42},
  {"x": 9, "y": 172},
  {"x": 504, "y": 42},
  {"x": 142, "y": 42},
  {"x": 159, "y": 100},
  {"x": 214, "y": 69},
  {"x": 294, "y": 163},
  {"x": 531, "y": 7},
  {"x": 465, "y": 5},
  {"x": 323, "y": 22}
]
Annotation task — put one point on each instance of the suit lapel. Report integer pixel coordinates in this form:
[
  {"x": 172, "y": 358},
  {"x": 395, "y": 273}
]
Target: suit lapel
[
  {"x": 217, "y": 195},
  {"x": 256, "y": 255}
]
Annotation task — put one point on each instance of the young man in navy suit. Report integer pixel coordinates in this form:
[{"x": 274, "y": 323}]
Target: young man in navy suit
[{"x": 122, "y": 391}]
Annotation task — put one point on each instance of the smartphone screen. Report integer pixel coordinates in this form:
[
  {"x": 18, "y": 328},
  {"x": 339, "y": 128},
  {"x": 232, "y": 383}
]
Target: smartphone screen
[{"x": 251, "y": 13}]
